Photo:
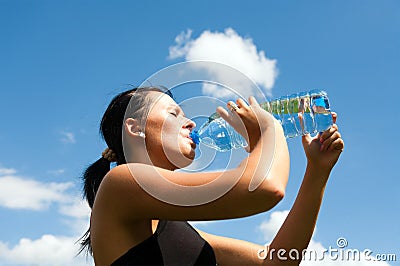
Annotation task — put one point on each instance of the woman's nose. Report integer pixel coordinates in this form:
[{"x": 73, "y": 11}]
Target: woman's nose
[{"x": 190, "y": 124}]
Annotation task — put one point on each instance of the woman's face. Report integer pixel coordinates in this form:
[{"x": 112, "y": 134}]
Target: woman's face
[{"x": 167, "y": 133}]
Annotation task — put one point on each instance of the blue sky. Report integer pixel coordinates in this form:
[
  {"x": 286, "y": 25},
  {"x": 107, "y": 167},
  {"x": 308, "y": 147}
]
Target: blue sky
[{"x": 61, "y": 62}]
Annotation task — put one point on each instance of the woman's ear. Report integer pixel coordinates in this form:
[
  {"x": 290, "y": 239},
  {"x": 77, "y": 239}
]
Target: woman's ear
[{"x": 132, "y": 128}]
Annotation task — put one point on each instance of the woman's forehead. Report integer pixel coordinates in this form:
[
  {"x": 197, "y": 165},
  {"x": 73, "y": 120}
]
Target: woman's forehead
[{"x": 163, "y": 100}]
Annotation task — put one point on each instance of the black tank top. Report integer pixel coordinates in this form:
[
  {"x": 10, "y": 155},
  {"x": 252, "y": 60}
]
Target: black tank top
[{"x": 173, "y": 243}]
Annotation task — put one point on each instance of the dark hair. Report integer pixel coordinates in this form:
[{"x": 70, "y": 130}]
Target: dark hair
[{"x": 131, "y": 103}]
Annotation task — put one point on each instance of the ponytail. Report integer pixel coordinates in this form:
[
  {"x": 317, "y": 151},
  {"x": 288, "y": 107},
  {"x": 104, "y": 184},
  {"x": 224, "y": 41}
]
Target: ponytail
[{"x": 92, "y": 178}]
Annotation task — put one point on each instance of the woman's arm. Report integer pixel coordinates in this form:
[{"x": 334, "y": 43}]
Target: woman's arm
[
  {"x": 146, "y": 192},
  {"x": 298, "y": 227},
  {"x": 322, "y": 154},
  {"x": 295, "y": 232}
]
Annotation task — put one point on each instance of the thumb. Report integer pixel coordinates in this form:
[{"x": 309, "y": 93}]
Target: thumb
[
  {"x": 306, "y": 139},
  {"x": 334, "y": 117}
]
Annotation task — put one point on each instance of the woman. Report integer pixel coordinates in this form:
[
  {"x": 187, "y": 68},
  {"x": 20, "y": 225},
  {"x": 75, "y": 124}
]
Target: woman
[{"x": 148, "y": 137}]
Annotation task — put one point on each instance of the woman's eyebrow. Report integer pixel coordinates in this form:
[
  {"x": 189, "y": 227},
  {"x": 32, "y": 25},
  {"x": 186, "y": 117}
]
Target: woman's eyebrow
[{"x": 177, "y": 107}]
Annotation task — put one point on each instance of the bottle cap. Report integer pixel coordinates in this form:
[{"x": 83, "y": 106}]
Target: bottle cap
[{"x": 194, "y": 135}]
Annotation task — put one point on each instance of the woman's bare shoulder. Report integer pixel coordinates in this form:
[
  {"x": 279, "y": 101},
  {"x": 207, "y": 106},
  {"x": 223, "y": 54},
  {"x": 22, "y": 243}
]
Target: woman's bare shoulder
[{"x": 123, "y": 171}]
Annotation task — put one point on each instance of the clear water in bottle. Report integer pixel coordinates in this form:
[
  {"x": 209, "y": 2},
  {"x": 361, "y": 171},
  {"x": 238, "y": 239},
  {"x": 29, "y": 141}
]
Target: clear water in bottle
[
  {"x": 299, "y": 114},
  {"x": 321, "y": 109},
  {"x": 287, "y": 118},
  {"x": 218, "y": 134},
  {"x": 305, "y": 115}
]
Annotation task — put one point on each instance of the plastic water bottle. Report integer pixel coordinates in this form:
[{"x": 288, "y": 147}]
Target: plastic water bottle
[{"x": 299, "y": 114}]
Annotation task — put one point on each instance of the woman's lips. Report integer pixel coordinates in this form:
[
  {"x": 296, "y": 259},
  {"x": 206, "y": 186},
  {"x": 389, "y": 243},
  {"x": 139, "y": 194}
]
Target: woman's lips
[{"x": 192, "y": 142}]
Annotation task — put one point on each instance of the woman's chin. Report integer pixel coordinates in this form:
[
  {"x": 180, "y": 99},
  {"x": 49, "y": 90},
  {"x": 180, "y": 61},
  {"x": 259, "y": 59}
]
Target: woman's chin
[
  {"x": 182, "y": 159},
  {"x": 189, "y": 158},
  {"x": 190, "y": 155}
]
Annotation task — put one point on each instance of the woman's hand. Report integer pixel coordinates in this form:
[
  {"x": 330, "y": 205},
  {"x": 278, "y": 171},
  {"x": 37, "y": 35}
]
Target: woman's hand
[
  {"x": 324, "y": 150},
  {"x": 248, "y": 120}
]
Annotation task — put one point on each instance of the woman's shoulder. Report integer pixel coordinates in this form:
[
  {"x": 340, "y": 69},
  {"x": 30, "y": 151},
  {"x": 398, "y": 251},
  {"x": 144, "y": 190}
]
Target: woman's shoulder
[
  {"x": 128, "y": 177},
  {"x": 135, "y": 172},
  {"x": 119, "y": 188},
  {"x": 117, "y": 170},
  {"x": 118, "y": 179},
  {"x": 125, "y": 171}
]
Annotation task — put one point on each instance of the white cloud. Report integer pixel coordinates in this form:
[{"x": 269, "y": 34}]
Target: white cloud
[
  {"x": 230, "y": 49},
  {"x": 76, "y": 208},
  {"x": 51, "y": 249},
  {"x": 18, "y": 192},
  {"x": 182, "y": 46},
  {"x": 270, "y": 227},
  {"x": 67, "y": 137},
  {"x": 316, "y": 255},
  {"x": 21, "y": 193},
  {"x": 7, "y": 171},
  {"x": 47, "y": 250},
  {"x": 56, "y": 172},
  {"x": 77, "y": 213}
]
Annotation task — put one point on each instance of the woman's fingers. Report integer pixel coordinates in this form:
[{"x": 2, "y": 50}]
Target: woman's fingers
[
  {"x": 326, "y": 144},
  {"x": 337, "y": 144},
  {"x": 329, "y": 137},
  {"x": 232, "y": 106},
  {"x": 240, "y": 109},
  {"x": 231, "y": 115},
  {"x": 334, "y": 117},
  {"x": 252, "y": 101},
  {"x": 241, "y": 103},
  {"x": 327, "y": 133},
  {"x": 223, "y": 113}
]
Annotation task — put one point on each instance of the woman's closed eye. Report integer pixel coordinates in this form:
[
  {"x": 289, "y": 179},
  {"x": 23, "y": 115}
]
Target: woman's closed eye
[{"x": 175, "y": 111}]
